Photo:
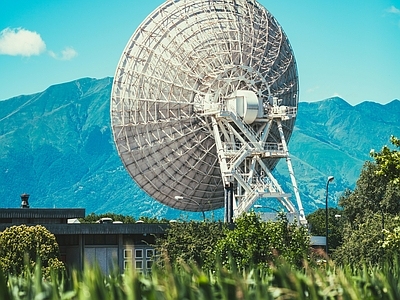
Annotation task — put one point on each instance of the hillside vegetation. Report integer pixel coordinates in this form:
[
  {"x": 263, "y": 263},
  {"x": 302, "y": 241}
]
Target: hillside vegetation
[{"x": 58, "y": 147}]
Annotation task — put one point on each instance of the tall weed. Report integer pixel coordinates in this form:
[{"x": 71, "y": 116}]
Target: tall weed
[{"x": 190, "y": 282}]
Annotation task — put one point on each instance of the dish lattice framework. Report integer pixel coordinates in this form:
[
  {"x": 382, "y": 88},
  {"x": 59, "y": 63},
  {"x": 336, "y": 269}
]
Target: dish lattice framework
[{"x": 203, "y": 103}]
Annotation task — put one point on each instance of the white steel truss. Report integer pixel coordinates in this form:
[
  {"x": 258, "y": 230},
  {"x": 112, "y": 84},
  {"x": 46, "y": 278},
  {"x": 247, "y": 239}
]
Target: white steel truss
[{"x": 242, "y": 153}]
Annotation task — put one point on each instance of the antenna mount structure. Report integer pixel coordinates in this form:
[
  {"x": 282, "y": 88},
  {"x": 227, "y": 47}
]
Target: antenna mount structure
[{"x": 203, "y": 105}]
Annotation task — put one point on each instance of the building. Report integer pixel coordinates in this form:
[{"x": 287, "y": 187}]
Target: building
[{"x": 108, "y": 244}]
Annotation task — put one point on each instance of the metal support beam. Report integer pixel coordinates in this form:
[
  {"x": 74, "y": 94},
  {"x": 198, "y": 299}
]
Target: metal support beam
[
  {"x": 302, "y": 217},
  {"x": 228, "y": 215}
]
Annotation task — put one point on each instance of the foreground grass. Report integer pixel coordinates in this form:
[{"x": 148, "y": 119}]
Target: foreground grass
[{"x": 187, "y": 282}]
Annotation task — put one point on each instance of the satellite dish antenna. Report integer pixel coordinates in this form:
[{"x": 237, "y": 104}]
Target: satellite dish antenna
[{"x": 203, "y": 104}]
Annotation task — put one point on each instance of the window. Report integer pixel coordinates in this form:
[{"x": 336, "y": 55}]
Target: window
[
  {"x": 143, "y": 258},
  {"x": 149, "y": 264},
  {"x": 139, "y": 264},
  {"x": 127, "y": 264},
  {"x": 149, "y": 253},
  {"x": 127, "y": 253},
  {"x": 139, "y": 253}
]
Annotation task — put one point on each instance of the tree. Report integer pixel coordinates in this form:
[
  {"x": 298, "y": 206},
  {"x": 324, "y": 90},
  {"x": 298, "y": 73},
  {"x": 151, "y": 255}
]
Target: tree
[
  {"x": 373, "y": 194},
  {"x": 190, "y": 242},
  {"x": 391, "y": 243},
  {"x": 22, "y": 246},
  {"x": 363, "y": 245},
  {"x": 316, "y": 221},
  {"x": 253, "y": 242},
  {"x": 388, "y": 161},
  {"x": 370, "y": 208},
  {"x": 248, "y": 242}
]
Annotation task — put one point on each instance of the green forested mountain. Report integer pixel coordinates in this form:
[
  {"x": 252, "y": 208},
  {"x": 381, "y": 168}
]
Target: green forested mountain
[
  {"x": 331, "y": 137},
  {"x": 57, "y": 146}
]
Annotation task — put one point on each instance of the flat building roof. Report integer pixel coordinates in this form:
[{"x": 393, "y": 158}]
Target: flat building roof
[{"x": 41, "y": 213}]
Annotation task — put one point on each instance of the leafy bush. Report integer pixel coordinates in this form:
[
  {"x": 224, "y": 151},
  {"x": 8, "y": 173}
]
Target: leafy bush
[
  {"x": 248, "y": 242},
  {"x": 190, "y": 242},
  {"x": 92, "y": 218},
  {"x": 22, "y": 246},
  {"x": 255, "y": 243}
]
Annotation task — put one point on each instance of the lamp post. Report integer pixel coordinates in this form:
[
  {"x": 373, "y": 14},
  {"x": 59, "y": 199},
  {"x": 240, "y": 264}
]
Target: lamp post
[
  {"x": 330, "y": 179},
  {"x": 383, "y": 224},
  {"x": 194, "y": 201}
]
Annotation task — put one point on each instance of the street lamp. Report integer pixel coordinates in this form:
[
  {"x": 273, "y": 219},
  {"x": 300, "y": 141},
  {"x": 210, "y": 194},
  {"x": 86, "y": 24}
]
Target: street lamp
[
  {"x": 330, "y": 179},
  {"x": 194, "y": 201}
]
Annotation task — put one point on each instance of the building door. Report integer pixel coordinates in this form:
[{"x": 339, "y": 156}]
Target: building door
[{"x": 105, "y": 257}]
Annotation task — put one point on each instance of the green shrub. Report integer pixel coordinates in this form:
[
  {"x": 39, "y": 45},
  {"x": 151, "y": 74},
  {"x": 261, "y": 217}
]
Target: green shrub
[
  {"x": 255, "y": 243},
  {"x": 21, "y": 246}
]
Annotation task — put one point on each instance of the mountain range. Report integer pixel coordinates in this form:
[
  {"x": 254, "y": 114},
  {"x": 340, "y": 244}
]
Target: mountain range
[{"x": 57, "y": 146}]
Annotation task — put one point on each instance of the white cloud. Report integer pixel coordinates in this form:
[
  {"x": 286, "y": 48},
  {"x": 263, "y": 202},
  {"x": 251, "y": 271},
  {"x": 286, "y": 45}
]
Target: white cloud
[
  {"x": 20, "y": 41},
  {"x": 393, "y": 10},
  {"x": 67, "y": 54}
]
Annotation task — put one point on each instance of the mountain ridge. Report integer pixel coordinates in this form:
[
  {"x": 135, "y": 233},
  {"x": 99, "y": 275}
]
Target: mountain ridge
[{"x": 57, "y": 145}]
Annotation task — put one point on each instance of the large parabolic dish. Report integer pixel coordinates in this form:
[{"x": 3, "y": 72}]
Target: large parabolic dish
[{"x": 204, "y": 98}]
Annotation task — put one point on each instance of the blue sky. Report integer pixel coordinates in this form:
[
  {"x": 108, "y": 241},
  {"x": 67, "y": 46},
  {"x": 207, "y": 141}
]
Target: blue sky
[{"x": 347, "y": 48}]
